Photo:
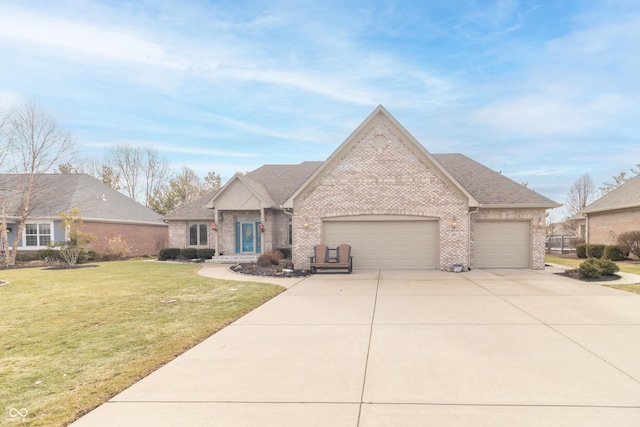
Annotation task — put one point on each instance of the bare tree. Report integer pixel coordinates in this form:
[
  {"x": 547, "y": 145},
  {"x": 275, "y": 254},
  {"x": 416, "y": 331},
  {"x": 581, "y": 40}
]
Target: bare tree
[
  {"x": 581, "y": 193},
  {"x": 35, "y": 144},
  {"x": 212, "y": 181},
  {"x": 183, "y": 188},
  {"x": 156, "y": 171},
  {"x": 618, "y": 180},
  {"x": 127, "y": 162}
]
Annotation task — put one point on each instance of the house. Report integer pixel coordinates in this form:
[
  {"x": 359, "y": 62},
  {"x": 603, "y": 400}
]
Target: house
[
  {"x": 614, "y": 213},
  {"x": 105, "y": 213},
  {"x": 382, "y": 192}
]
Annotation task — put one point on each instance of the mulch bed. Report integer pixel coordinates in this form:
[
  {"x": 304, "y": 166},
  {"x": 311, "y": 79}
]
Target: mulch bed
[
  {"x": 253, "y": 269},
  {"x": 574, "y": 275}
]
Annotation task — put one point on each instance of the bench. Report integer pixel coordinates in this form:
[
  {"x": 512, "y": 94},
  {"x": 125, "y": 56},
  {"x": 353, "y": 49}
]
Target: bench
[{"x": 322, "y": 259}]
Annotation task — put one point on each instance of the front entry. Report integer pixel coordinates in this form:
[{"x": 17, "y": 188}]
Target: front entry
[{"x": 247, "y": 237}]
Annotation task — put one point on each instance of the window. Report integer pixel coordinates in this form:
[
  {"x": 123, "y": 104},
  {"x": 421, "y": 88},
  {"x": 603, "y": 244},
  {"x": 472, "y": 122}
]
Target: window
[
  {"x": 290, "y": 231},
  {"x": 198, "y": 235},
  {"x": 38, "y": 235}
]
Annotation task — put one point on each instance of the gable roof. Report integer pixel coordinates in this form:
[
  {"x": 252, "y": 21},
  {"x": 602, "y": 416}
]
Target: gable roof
[
  {"x": 351, "y": 139},
  {"x": 490, "y": 188},
  {"x": 272, "y": 184},
  {"x": 625, "y": 196},
  {"x": 194, "y": 210},
  {"x": 61, "y": 192}
]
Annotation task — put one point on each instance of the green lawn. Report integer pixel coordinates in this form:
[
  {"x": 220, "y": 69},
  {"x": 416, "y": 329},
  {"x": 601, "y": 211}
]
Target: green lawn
[
  {"x": 72, "y": 339},
  {"x": 626, "y": 267}
]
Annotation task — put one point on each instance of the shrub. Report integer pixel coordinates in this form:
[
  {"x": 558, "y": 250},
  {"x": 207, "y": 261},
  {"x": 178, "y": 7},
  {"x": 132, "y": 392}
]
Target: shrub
[
  {"x": 581, "y": 250},
  {"x": 595, "y": 250},
  {"x": 589, "y": 269},
  {"x": 169, "y": 253},
  {"x": 49, "y": 255},
  {"x": 286, "y": 252},
  {"x": 614, "y": 253},
  {"x": 206, "y": 253},
  {"x": 608, "y": 267},
  {"x": 268, "y": 258},
  {"x": 594, "y": 268},
  {"x": 189, "y": 253},
  {"x": 117, "y": 248},
  {"x": 26, "y": 256},
  {"x": 629, "y": 241},
  {"x": 92, "y": 256}
]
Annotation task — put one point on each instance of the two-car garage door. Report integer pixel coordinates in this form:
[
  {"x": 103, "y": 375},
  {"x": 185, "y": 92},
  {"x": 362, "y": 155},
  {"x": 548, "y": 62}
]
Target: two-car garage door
[{"x": 387, "y": 244}]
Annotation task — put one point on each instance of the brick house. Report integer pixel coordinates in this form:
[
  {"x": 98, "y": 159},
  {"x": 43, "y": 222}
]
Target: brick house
[
  {"x": 614, "y": 213},
  {"x": 105, "y": 213},
  {"x": 383, "y": 193}
]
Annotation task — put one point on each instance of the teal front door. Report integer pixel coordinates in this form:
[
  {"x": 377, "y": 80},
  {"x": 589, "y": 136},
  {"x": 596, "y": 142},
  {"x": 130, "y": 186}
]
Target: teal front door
[{"x": 248, "y": 237}]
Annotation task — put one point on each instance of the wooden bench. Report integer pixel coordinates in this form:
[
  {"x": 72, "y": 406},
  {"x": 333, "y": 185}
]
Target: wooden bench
[{"x": 322, "y": 259}]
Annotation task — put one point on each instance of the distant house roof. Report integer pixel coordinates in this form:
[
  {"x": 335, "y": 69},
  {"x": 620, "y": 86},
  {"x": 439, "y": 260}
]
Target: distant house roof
[
  {"x": 272, "y": 183},
  {"x": 61, "y": 192},
  {"x": 625, "y": 196},
  {"x": 490, "y": 188}
]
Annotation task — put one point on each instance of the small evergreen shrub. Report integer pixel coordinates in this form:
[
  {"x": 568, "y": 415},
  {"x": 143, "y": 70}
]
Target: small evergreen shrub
[
  {"x": 594, "y": 268},
  {"x": 589, "y": 269},
  {"x": 189, "y": 253},
  {"x": 93, "y": 256},
  {"x": 608, "y": 267},
  {"x": 268, "y": 258},
  {"x": 595, "y": 250},
  {"x": 169, "y": 253},
  {"x": 614, "y": 253},
  {"x": 26, "y": 256},
  {"x": 581, "y": 250},
  {"x": 206, "y": 253}
]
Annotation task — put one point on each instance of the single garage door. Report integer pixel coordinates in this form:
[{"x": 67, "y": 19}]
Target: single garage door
[
  {"x": 504, "y": 244},
  {"x": 387, "y": 244}
]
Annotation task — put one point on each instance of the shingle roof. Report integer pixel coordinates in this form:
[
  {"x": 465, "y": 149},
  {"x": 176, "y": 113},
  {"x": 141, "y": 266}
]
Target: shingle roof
[
  {"x": 96, "y": 201},
  {"x": 194, "y": 210},
  {"x": 489, "y": 187},
  {"x": 625, "y": 196},
  {"x": 281, "y": 181}
]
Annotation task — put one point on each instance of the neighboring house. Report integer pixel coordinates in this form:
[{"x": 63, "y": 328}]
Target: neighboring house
[
  {"x": 105, "y": 213},
  {"x": 614, "y": 213},
  {"x": 382, "y": 192}
]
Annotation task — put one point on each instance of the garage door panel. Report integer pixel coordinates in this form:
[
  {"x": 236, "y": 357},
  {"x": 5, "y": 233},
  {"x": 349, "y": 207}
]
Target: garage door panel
[
  {"x": 387, "y": 244},
  {"x": 504, "y": 244}
]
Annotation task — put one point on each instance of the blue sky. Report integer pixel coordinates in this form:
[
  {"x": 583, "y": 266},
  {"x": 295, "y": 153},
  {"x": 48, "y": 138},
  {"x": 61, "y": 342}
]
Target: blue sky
[{"x": 543, "y": 91}]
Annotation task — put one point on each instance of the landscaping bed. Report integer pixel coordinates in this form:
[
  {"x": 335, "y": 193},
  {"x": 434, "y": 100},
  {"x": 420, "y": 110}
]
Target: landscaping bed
[{"x": 254, "y": 269}]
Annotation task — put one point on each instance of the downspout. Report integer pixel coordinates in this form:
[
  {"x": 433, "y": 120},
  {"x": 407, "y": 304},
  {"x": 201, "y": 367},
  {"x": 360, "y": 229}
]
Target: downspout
[
  {"x": 470, "y": 235},
  {"x": 262, "y": 232},
  {"x": 216, "y": 232}
]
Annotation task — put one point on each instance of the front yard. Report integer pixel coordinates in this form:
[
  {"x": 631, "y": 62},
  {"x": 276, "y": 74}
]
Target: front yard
[
  {"x": 625, "y": 267},
  {"x": 72, "y": 339}
]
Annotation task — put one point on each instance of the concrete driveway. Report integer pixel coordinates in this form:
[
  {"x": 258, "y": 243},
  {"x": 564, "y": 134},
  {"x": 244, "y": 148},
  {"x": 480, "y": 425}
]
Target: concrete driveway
[{"x": 389, "y": 348}]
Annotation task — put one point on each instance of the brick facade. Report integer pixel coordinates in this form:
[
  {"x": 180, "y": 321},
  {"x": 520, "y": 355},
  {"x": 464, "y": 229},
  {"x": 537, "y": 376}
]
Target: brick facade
[
  {"x": 143, "y": 239},
  {"x": 379, "y": 173},
  {"x": 604, "y": 227}
]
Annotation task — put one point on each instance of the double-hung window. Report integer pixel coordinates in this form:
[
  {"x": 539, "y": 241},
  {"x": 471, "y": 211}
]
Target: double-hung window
[{"x": 38, "y": 235}]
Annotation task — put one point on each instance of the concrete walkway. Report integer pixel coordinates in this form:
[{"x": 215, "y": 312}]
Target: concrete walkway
[{"x": 388, "y": 348}]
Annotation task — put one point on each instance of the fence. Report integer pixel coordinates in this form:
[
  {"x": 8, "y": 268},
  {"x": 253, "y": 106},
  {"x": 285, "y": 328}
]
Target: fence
[{"x": 561, "y": 244}]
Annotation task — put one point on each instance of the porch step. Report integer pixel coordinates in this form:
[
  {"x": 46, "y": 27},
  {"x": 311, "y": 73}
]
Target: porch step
[{"x": 232, "y": 259}]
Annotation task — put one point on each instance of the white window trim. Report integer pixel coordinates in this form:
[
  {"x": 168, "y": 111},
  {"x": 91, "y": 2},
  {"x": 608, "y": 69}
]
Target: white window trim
[{"x": 24, "y": 246}]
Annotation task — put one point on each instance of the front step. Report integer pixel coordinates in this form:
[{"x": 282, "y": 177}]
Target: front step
[{"x": 233, "y": 259}]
